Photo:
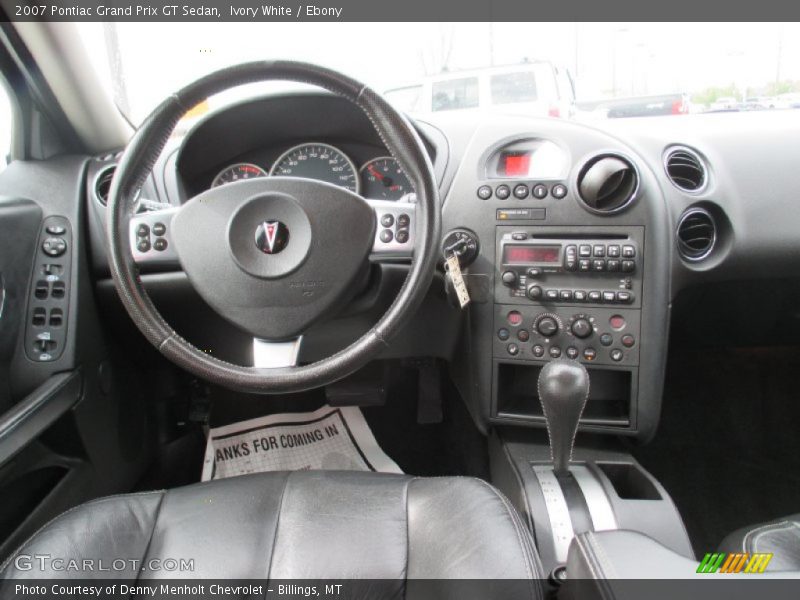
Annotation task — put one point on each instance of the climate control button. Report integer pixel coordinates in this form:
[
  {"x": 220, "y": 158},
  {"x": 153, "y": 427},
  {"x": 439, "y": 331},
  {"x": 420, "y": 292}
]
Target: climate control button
[
  {"x": 581, "y": 328},
  {"x": 547, "y": 325}
]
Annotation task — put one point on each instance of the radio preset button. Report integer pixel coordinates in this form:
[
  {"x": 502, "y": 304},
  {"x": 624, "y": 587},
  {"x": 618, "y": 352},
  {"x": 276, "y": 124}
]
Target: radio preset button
[
  {"x": 579, "y": 296},
  {"x": 585, "y": 264},
  {"x": 628, "y": 266},
  {"x": 613, "y": 251},
  {"x": 612, "y": 264},
  {"x": 628, "y": 251},
  {"x": 585, "y": 250},
  {"x": 599, "y": 250},
  {"x": 484, "y": 192},
  {"x": 598, "y": 264},
  {"x": 551, "y": 294},
  {"x": 521, "y": 191},
  {"x": 566, "y": 295},
  {"x": 502, "y": 192}
]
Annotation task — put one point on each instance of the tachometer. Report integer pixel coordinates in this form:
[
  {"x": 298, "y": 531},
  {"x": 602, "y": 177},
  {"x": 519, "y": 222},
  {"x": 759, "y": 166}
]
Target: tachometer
[
  {"x": 318, "y": 161},
  {"x": 383, "y": 179},
  {"x": 238, "y": 172}
]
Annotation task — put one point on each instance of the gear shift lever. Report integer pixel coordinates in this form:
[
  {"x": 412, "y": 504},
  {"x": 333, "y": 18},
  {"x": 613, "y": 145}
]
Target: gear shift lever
[{"x": 563, "y": 391}]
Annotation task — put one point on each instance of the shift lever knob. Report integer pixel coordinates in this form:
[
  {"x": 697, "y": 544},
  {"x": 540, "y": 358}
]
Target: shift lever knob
[{"x": 563, "y": 391}]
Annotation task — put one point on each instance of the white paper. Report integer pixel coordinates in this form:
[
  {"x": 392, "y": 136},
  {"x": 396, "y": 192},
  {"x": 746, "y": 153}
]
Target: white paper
[{"x": 328, "y": 438}]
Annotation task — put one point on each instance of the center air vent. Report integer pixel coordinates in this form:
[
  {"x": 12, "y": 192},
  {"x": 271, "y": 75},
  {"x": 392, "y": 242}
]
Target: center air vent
[
  {"x": 607, "y": 184},
  {"x": 102, "y": 184},
  {"x": 697, "y": 234},
  {"x": 685, "y": 169}
]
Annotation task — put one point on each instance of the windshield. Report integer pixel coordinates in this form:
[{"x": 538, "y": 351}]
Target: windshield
[{"x": 562, "y": 70}]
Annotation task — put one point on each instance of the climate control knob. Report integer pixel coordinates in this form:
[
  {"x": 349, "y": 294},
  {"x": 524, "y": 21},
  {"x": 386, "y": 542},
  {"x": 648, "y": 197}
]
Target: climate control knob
[
  {"x": 547, "y": 326},
  {"x": 581, "y": 328},
  {"x": 534, "y": 292}
]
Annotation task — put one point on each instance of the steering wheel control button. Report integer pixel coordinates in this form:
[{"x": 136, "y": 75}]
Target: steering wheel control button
[
  {"x": 539, "y": 191},
  {"x": 272, "y": 237},
  {"x": 628, "y": 340},
  {"x": 514, "y": 318},
  {"x": 538, "y": 351},
  {"x": 513, "y": 349},
  {"x": 502, "y": 192},
  {"x": 387, "y": 236},
  {"x": 559, "y": 190},
  {"x": 143, "y": 245},
  {"x": 484, "y": 192},
  {"x": 160, "y": 244},
  {"x": 616, "y": 355},
  {"x": 503, "y": 334},
  {"x": 54, "y": 246},
  {"x": 520, "y": 191},
  {"x": 159, "y": 229},
  {"x": 402, "y": 236},
  {"x": 572, "y": 352},
  {"x": 143, "y": 231},
  {"x": 387, "y": 220},
  {"x": 606, "y": 339},
  {"x": 589, "y": 354},
  {"x": 56, "y": 229},
  {"x": 403, "y": 221},
  {"x": 555, "y": 352}
]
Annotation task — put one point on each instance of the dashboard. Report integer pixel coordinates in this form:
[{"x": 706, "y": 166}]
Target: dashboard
[{"x": 573, "y": 240}]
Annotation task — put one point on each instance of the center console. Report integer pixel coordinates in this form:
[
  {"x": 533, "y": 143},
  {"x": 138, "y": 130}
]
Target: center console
[{"x": 568, "y": 293}]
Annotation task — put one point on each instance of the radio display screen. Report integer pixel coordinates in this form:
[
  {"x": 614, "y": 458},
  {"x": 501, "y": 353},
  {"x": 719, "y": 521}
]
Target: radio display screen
[{"x": 525, "y": 254}]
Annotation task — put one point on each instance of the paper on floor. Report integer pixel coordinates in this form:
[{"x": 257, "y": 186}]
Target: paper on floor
[{"x": 328, "y": 438}]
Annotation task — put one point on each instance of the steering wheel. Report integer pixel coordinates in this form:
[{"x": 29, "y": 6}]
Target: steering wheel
[{"x": 273, "y": 255}]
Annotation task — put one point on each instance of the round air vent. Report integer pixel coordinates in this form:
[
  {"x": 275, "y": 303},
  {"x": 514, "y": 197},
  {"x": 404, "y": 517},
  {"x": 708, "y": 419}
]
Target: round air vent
[
  {"x": 697, "y": 233},
  {"x": 685, "y": 169},
  {"x": 608, "y": 184},
  {"x": 102, "y": 184}
]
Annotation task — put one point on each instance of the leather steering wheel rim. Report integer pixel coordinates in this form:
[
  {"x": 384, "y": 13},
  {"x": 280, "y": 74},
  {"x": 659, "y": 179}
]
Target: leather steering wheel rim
[{"x": 140, "y": 156}]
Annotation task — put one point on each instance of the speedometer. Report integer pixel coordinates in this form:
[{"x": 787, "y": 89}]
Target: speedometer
[
  {"x": 318, "y": 161},
  {"x": 238, "y": 172}
]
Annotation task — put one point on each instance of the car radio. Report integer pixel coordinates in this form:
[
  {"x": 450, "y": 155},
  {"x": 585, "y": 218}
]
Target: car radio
[{"x": 538, "y": 265}]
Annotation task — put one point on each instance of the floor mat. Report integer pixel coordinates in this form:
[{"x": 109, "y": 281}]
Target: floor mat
[
  {"x": 328, "y": 439},
  {"x": 727, "y": 448}
]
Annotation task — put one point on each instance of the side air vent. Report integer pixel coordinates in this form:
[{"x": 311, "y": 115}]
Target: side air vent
[
  {"x": 607, "y": 184},
  {"x": 102, "y": 184},
  {"x": 697, "y": 234},
  {"x": 685, "y": 169}
]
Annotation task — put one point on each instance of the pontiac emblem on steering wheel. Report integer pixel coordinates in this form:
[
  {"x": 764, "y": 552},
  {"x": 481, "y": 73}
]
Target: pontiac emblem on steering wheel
[{"x": 272, "y": 237}]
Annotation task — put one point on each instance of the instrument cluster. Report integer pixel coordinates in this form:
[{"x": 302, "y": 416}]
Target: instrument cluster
[{"x": 380, "y": 178}]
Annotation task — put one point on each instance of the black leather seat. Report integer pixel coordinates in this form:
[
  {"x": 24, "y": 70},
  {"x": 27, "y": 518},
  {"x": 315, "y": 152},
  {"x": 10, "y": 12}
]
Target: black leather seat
[
  {"x": 313, "y": 525},
  {"x": 780, "y": 537}
]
